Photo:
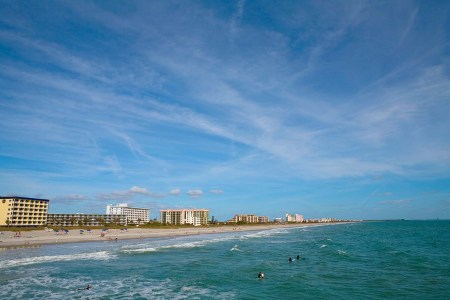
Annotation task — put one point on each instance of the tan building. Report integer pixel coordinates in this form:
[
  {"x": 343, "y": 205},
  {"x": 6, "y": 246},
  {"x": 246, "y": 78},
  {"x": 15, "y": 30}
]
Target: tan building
[
  {"x": 21, "y": 211},
  {"x": 263, "y": 219},
  {"x": 66, "y": 220},
  {"x": 249, "y": 219},
  {"x": 194, "y": 217}
]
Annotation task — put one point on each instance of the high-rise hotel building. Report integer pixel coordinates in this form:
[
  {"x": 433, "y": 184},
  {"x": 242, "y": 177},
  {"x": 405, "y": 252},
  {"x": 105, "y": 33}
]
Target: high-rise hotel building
[
  {"x": 194, "y": 217},
  {"x": 294, "y": 218},
  {"x": 21, "y": 211},
  {"x": 134, "y": 215}
]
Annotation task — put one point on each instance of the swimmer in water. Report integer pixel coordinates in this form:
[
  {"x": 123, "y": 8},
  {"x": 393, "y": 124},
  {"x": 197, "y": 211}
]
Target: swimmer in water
[
  {"x": 261, "y": 275},
  {"x": 88, "y": 287},
  {"x": 235, "y": 248}
]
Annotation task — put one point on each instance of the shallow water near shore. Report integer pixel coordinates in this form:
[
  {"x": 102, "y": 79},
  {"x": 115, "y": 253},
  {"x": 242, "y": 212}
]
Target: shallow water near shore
[{"x": 369, "y": 260}]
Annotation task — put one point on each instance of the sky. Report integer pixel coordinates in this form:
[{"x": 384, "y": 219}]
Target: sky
[{"x": 329, "y": 109}]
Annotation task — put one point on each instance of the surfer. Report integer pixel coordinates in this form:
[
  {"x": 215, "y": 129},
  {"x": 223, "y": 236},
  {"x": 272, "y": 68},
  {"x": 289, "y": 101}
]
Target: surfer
[
  {"x": 261, "y": 275},
  {"x": 235, "y": 248},
  {"x": 88, "y": 287},
  {"x": 298, "y": 257},
  {"x": 290, "y": 259}
]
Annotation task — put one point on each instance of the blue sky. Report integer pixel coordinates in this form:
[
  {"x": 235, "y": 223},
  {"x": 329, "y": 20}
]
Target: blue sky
[{"x": 324, "y": 108}]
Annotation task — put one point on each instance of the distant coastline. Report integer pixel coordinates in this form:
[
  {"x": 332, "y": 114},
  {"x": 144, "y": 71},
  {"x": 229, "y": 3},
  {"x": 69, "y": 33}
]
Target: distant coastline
[{"x": 8, "y": 239}]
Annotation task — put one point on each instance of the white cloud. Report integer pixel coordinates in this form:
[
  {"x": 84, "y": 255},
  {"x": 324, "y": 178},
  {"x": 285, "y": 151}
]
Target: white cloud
[
  {"x": 216, "y": 191},
  {"x": 70, "y": 197},
  {"x": 236, "y": 17},
  {"x": 130, "y": 194},
  {"x": 396, "y": 202},
  {"x": 175, "y": 192},
  {"x": 139, "y": 190},
  {"x": 263, "y": 128},
  {"x": 195, "y": 193},
  {"x": 385, "y": 194}
]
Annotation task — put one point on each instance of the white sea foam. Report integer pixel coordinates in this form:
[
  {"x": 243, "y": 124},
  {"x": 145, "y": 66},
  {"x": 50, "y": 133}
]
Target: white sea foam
[
  {"x": 182, "y": 243},
  {"x": 342, "y": 252},
  {"x": 310, "y": 226},
  {"x": 40, "y": 285},
  {"x": 149, "y": 248},
  {"x": 264, "y": 233},
  {"x": 235, "y": 248},
  {"x": 101, "y": 255},
  {"x": 198, "y": 241}
]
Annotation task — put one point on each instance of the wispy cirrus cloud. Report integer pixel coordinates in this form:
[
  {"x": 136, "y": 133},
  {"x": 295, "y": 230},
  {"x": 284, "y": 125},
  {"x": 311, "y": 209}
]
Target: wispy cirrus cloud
[
  {"x": 398, "y": 202},
  {"x": 265, "y": 129},
  {"x": 216, "y": 191},
  {"x": 385, "y": 194},
  {"x": 304, "y": 97},
  {"x": 70, "y": 198}
]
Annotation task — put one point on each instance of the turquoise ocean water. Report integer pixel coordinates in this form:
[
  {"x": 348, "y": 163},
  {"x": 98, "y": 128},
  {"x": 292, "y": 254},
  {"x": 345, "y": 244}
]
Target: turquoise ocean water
[{"x": 369, "y": 260}]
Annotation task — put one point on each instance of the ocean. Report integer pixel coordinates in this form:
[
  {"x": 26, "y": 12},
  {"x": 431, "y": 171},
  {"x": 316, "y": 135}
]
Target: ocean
[{"x": 367, "y": 260}]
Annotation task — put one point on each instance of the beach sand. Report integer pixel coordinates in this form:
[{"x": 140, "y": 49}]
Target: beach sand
[{"x": 8, "y": 239}]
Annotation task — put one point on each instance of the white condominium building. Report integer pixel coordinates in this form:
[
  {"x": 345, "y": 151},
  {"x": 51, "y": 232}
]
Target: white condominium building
[
  {"x": 294, "y": 218},
  {"x": 134, "y": 215},
  {"x": 194, "y": 217}
]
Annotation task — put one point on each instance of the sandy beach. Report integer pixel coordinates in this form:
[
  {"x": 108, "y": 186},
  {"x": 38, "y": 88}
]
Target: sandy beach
[{"x": 9, "y": 239}]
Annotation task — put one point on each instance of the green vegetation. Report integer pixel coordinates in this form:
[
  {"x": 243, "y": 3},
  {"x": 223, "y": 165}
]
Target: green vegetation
[{"x": 14, "y": 228}]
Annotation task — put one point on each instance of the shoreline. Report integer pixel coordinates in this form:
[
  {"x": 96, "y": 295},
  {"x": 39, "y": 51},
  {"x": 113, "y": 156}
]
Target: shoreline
[{"x": 49, "y": 237}]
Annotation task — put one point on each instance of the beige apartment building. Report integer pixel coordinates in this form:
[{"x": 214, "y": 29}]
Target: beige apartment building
[
  {"x": 21, "y": 211},
  {"x": 194, "y": 217},
  {"x": 249, "y": 219},
  {"x": 67, "y": 220}
]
